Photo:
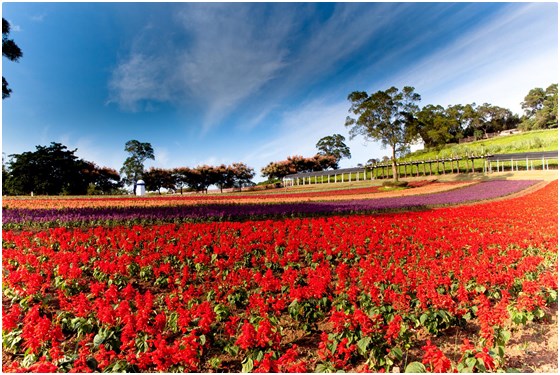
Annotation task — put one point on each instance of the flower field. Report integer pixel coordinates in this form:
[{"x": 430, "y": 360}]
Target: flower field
[
  {"x": 153, "y": 290},
  {"x": 425, "y": 187},
  {"x": 199, "y": 208}
]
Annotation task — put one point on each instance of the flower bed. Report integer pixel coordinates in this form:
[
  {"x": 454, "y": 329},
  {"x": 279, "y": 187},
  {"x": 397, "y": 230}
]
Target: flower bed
[
  {"x": 199, "y": 199},
  {"x": 296, "y": 295},
  {"x": 470, "y": 193}
]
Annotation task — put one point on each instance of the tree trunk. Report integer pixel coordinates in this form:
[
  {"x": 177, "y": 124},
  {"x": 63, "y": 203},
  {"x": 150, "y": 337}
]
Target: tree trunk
[{"x": 394, "y": 162}]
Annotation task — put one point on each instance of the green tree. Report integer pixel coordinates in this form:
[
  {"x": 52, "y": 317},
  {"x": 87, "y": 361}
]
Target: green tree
[
  {"x": 158, "y": 178},
  {"x": 182, "y": 177},
  {"x": 493, "y": 118},
  {"x": 11, "y": 51},
  {"x": 385, "y": 116},
  {"x": 133, "y": 166},
  {"x": 48, "y": 170},
  {"x": 242, "y": 175},
  {"x": 435, "y": 126},
  {"x": 334, "y": 145},
  {"x": 105, "y": 180},
  {"x": 541, "y": 108}
]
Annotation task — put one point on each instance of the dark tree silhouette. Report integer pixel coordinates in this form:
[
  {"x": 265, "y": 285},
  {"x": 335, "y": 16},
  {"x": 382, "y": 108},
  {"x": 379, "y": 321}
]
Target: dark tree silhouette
[{"x": 11, "y": 51}]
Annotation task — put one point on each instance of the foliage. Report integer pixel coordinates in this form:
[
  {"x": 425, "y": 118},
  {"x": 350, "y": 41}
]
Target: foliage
[
  {"x": 133, "y": 166},
  {"x": 541, "y": 108},
  {"x": 11, "y": 51},
  {"x": 333, "y": 145},
  {"x": 158, "y": 178},
  {"x": 385, "y": 116},
  {"x": 55, "y": 170},
  {"x": 298, "y": 164},
  {"x": 540, "y": 140}
]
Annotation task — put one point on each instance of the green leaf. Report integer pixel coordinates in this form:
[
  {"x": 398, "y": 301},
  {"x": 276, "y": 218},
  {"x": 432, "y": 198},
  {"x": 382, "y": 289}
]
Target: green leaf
[
  {"x": 98, "y": 339},
  {"x": 415, "y": 367},
  {"x": 397, "y": 353},
  {"x": 423, "y": 318},
  {"x": 247, "y": 365},
  {"x": 471, "y": 362},
  {"x": 363, "y": 344}
]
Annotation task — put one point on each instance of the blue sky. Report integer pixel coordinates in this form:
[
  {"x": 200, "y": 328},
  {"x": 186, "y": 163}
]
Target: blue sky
[{"x": 212, "y": 83}]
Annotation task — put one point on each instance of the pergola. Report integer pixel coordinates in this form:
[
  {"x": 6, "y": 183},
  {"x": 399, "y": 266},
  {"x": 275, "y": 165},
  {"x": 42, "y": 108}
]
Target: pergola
[{"x": 305, "y": 178}]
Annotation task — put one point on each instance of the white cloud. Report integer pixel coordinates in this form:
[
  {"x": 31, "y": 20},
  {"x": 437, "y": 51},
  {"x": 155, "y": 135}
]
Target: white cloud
[
  {"x": 232, "y": 54},
  {"x": 138, "y": 79},
  {"x": 38, "y": 17},
  {"x": 499, "y": 62}
]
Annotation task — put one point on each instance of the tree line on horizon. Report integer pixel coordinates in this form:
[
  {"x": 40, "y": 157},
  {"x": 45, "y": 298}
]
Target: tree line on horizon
[
  {"x": 56, "y": 170},
  {"x": 392, "y": 117}
]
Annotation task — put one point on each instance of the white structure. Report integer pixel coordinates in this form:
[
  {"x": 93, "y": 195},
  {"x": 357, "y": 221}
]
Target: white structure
[{"x": 140, "y": 188}]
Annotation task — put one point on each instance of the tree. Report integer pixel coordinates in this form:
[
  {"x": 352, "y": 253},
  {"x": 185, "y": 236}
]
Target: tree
[
  {"x": 492, "y": 118},
  {"x": 242, "y": 175},
  {"x": 133, "y": 166},
  {"x": 11, "y": 51},
  {"x": 182, "y": 176},
  {"x": 297, "y": 164},
  {"x": 106, "y": 180},
  {"x": 385, "y": 116},
  {"x": 158, "y": 178},
  {"x": 48, "y": 170},
  {"x": 541, "y": 108},
  {"x": 434, "y": 126},
  {"x": 334, "y": 145}
]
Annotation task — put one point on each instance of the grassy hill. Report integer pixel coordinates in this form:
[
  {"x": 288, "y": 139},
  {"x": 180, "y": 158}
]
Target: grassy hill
[{"x": 539, "y": 140}]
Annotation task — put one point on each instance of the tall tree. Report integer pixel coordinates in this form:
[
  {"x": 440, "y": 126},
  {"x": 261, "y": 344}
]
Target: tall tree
[
  {"x": 541, "y": 108},
  {"x": 11, "y": 51},
  {"x": 385, "y": 116},
  {"x": 334, "y": 145},
  {"x": 133, "y": 166}
]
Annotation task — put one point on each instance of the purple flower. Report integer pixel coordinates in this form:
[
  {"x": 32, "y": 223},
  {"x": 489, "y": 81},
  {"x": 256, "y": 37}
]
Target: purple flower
[{"x": 481, "y": 191}]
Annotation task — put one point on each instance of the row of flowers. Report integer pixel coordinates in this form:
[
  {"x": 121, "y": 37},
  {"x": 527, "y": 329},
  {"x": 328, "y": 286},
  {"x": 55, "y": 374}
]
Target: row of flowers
[
  {"x": 181, "y": 213},
  {"x": 291, "y": 195},
  {"x": 295, "y": 295}
]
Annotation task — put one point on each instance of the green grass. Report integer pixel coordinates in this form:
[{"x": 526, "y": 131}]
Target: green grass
[{"x": 540, "y": 140}]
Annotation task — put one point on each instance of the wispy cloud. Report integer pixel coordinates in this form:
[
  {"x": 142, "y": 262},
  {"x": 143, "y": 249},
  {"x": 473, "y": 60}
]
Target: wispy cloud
[
  {"x": 233, "y": 54},
  {"x": 497, "y": 62},
  {"x": 38, "y": 17},
  {"x": 227, "y": 57}
]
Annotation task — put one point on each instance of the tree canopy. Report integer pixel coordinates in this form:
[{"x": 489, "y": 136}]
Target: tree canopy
[
  {"x": 297, "y": 164},
  {"x": 541, "y": 108},
  {"x": 385, "y": 116},
  {"x": 11, "y": 51},
  {"x": 334, "y": 145},
  {"x": 54, "y": 170}
]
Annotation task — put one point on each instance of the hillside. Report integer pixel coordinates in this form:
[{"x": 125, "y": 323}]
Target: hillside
[{"x": 540, "y": 140}]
